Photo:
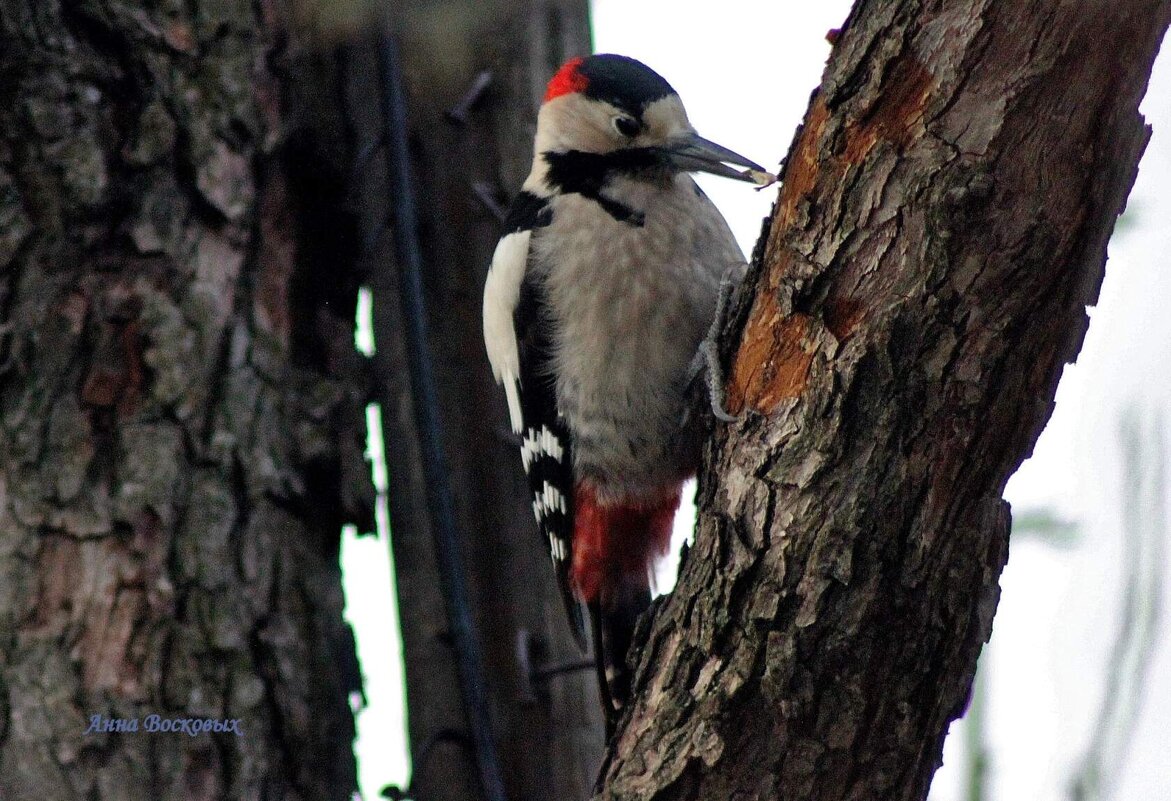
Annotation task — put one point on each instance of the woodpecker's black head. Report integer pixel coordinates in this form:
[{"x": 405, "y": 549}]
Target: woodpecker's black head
[
  {"x": 618, "y": 80},
  {"x": 618, "y": 107}
]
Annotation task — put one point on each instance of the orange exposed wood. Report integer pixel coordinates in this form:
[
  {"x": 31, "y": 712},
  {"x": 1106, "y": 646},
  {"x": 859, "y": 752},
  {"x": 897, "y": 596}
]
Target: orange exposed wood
[
  {"x": 801, "y": 170},
  {"x": 773, "y": 362}
]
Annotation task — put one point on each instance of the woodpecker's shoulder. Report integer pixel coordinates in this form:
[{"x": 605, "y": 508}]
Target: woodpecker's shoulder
[{"x": 502, "y": 295}]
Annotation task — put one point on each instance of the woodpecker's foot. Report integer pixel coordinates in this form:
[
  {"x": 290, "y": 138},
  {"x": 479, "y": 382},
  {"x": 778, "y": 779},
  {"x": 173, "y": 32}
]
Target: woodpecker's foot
[
  {"x": 709, "y": 350},
  {"x": 715, "y": 382}
]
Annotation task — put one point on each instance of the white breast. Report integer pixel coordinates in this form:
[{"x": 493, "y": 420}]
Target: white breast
[{"x": 631, "y": 305}]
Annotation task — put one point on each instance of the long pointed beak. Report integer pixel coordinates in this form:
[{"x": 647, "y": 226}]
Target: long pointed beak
[{"x": 693, "y": 153}]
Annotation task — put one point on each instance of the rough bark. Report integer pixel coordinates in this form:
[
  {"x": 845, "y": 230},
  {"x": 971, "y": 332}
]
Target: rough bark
[
  {"x": 549, "y": 735},
  {"x": 180, "y": 425},
  {"x": 941, "y": 228}
]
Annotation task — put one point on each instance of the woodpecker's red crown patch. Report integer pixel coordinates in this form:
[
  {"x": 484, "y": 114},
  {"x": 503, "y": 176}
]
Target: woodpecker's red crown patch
[{"x": 567, "y": 80}]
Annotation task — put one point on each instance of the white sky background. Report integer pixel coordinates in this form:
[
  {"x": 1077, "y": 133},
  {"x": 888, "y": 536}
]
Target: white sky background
[{"x": 744, "y": 69}]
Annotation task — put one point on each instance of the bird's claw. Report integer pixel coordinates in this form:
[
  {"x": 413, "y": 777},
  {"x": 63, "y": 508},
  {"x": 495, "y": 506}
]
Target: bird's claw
[{"x": 709, "y": 350}]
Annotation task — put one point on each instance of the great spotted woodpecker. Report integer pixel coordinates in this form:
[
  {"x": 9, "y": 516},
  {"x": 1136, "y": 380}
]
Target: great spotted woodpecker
[{"x": 596, "y": 303}]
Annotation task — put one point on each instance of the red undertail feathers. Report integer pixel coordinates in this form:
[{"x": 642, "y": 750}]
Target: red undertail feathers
[{"x": 615, "y": 545}]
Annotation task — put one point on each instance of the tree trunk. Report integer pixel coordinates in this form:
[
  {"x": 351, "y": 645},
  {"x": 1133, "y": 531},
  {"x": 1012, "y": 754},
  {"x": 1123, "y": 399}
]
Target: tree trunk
[
  {"x": 941, "y": 228},
  {"x": 180, "y": 424},
  {"x": 549, "y": 734}
]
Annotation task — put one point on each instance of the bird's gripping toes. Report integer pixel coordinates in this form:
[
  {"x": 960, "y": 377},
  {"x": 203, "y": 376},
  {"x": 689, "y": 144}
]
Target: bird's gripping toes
[{"x": 600, "y": 292}]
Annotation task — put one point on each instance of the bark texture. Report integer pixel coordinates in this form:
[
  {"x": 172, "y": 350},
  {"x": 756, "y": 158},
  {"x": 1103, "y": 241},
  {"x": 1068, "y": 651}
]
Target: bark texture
[
  {"x": 180, "y": 425},
  {"x": 549, "y": 733},
  {"x": 941, "y": 228}
]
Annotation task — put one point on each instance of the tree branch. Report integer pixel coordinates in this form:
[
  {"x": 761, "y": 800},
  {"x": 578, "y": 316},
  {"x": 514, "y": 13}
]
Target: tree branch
[{"x": 942, "y": 226}]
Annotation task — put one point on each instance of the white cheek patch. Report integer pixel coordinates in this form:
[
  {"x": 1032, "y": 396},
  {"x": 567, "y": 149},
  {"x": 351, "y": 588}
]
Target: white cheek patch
[
  {"x": 666, "y": 117},
  {"x": 501, "y": 295}
]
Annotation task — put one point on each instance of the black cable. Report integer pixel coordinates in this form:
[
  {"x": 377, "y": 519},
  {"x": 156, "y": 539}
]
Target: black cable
[{"x": 435, "y": 474}]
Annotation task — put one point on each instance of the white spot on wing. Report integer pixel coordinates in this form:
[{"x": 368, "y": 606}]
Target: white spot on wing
[
  {"x": 547, "y": 500},
  {"x": 530, "y": 449},
  {"x": 550, "y": 445},
  {"x": 557, "y": 550},
  {"x": 501, "y": 295},
  {"x": 537, "y": 444}
]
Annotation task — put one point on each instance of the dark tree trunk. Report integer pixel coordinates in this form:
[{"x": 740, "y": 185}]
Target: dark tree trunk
[
  {"x": 180, "y": 428},
  {"x": 942, "y": 226},
  {"x": 549, "y": 735}
]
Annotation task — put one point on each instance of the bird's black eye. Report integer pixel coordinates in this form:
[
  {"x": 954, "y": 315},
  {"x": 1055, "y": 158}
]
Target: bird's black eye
[{"x": 627, "y": 126}]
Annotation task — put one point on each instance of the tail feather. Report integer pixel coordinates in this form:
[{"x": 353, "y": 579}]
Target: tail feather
[
  {"x": 613, "y": 626},
  {"x": 574, "y": 616},
  {"x": 600, "y": 667}
]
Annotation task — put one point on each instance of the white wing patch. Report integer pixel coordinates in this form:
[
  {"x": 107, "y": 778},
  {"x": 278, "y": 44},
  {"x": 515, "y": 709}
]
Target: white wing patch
[{"x": 501, "y": 294}]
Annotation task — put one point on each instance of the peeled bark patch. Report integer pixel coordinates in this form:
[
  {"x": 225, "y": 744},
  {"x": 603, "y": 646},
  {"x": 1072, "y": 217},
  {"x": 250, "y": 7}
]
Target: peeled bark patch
[{"x": 775, "y": 361}]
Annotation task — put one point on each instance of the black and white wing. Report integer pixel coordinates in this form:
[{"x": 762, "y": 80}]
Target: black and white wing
[{"x": 517, "y": 337}]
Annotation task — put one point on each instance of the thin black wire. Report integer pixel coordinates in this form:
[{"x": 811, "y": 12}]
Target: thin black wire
[{"x": 435, "y": 474}]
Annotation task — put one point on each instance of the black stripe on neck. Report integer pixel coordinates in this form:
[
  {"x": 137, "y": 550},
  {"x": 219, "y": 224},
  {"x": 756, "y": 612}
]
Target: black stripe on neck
[{"x": 587, "y": 174}]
